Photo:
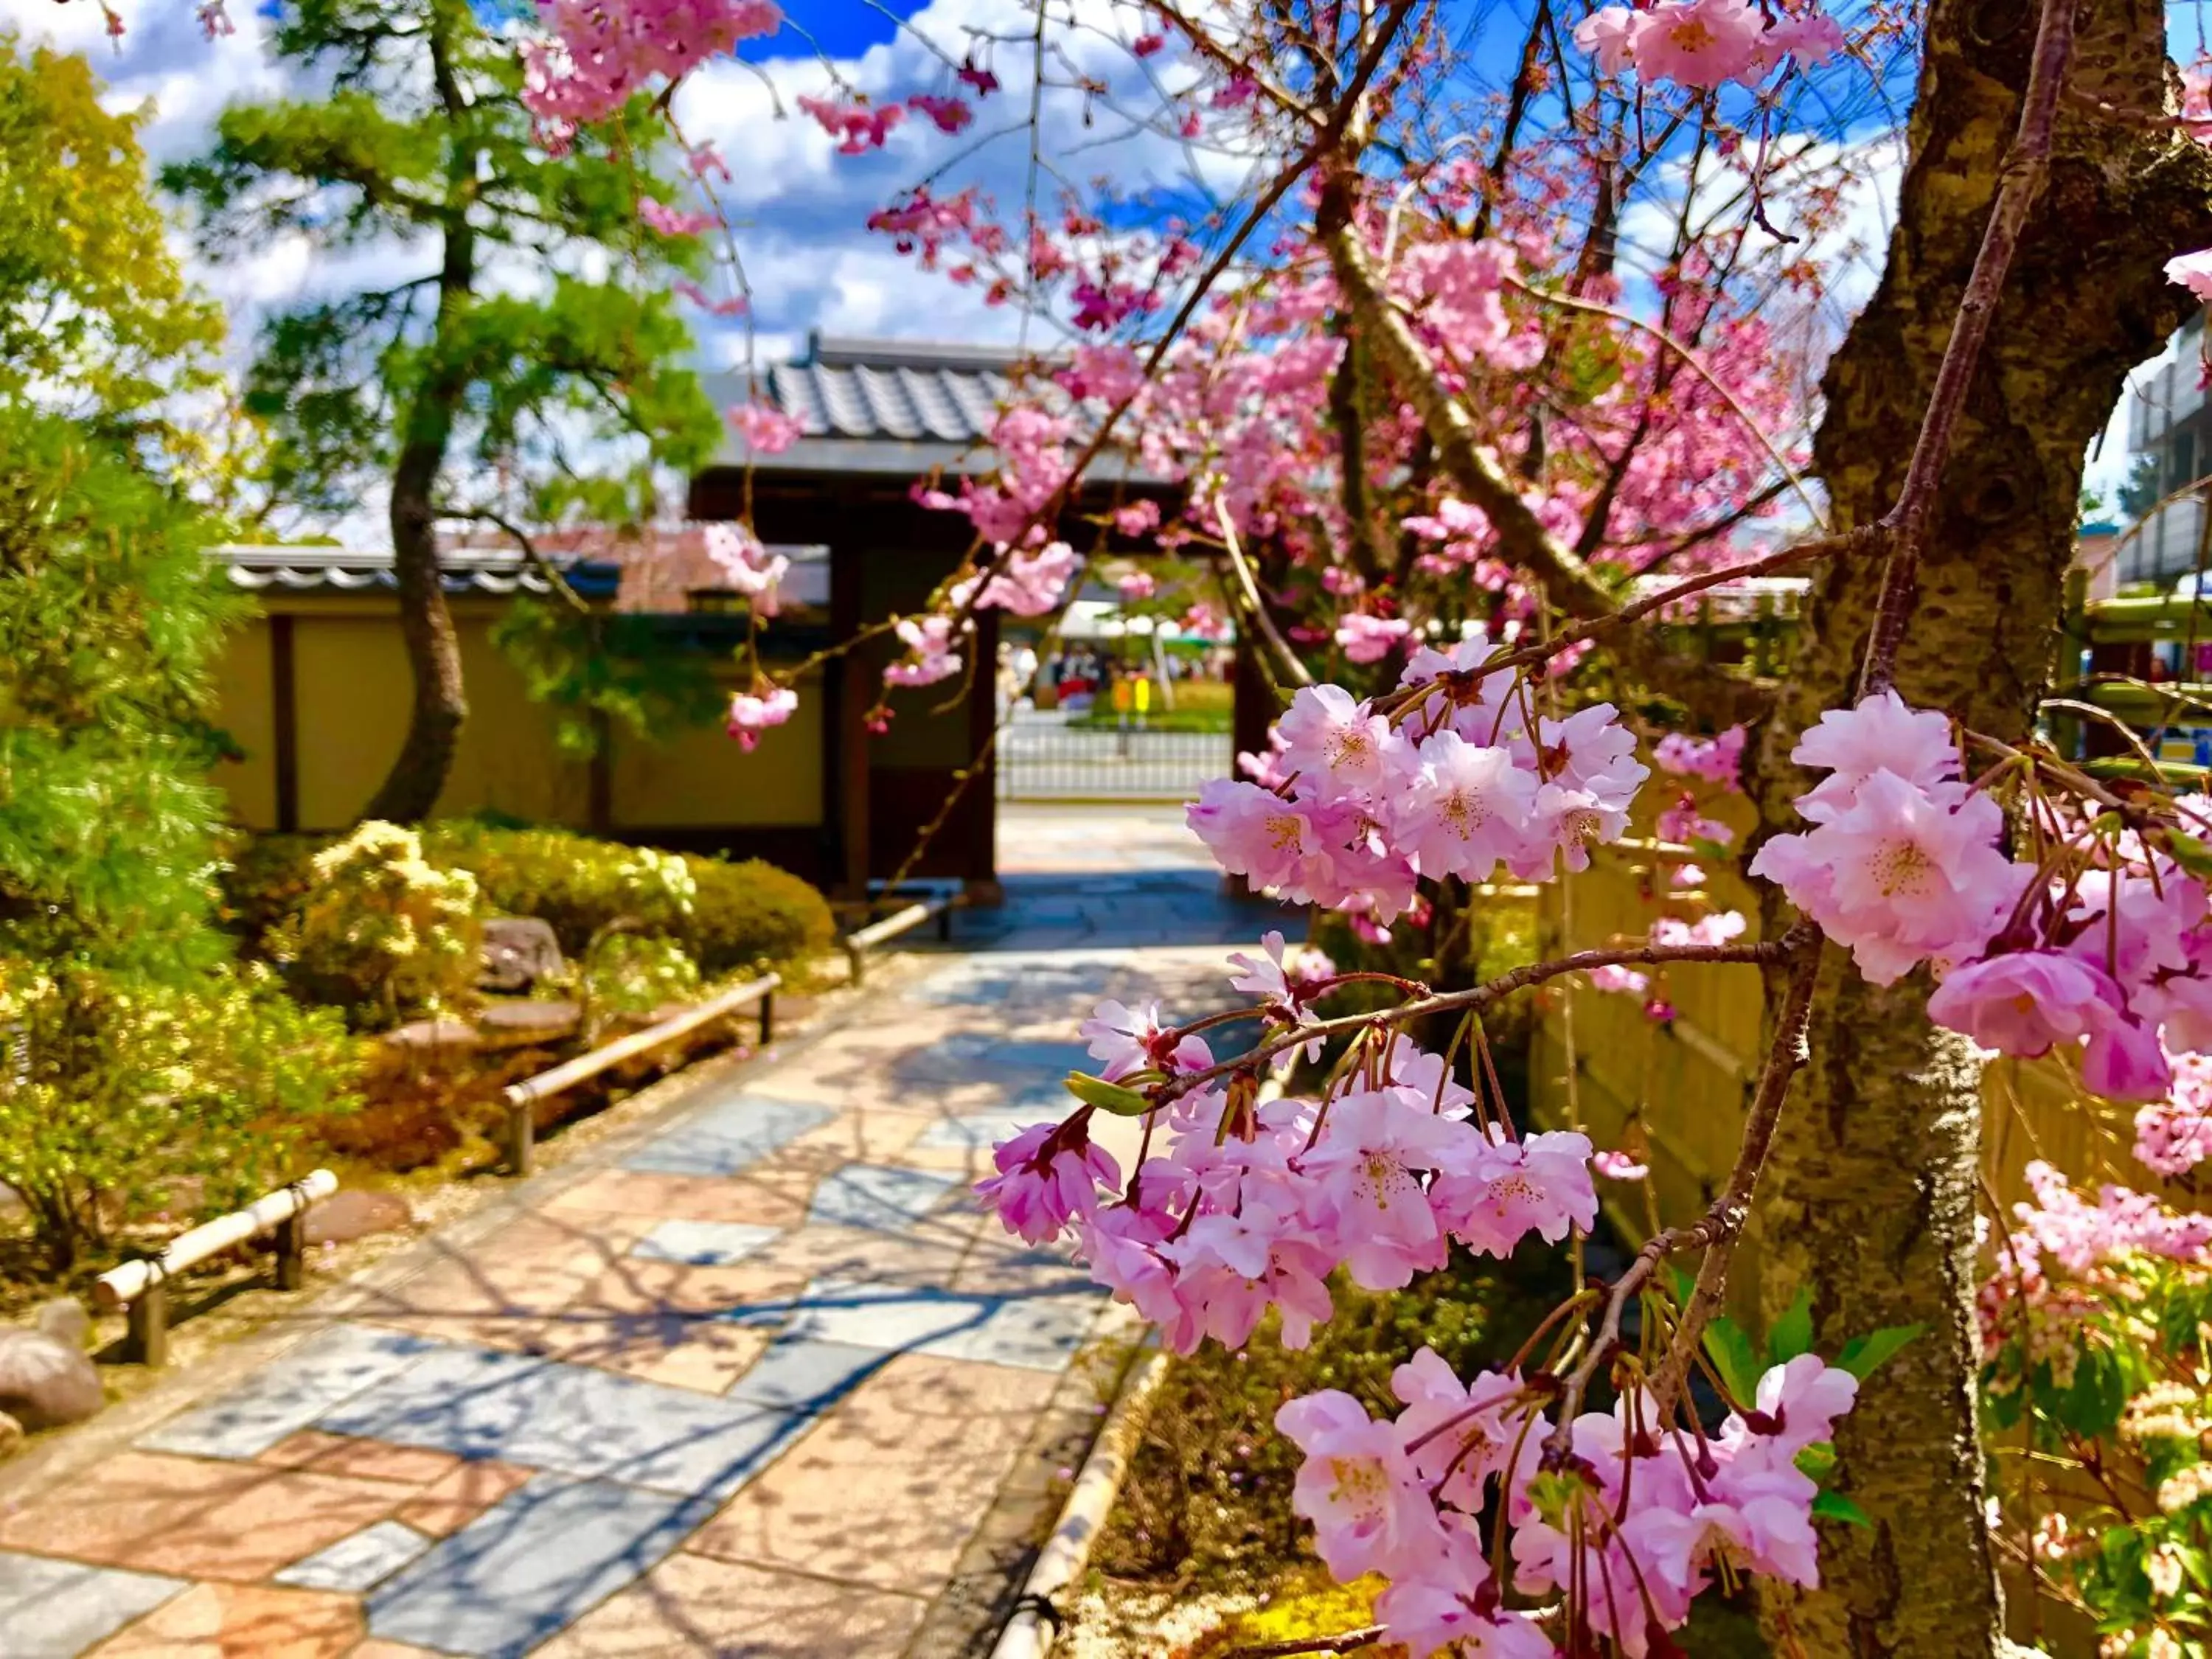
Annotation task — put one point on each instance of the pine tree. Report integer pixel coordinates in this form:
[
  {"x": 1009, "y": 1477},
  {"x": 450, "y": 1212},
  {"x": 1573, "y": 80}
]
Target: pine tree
[{"x": 531, "y": 367}]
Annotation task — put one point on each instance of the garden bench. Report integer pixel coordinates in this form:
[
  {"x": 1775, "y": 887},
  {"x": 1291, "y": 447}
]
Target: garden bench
[{"x": 143, "y": 1285}]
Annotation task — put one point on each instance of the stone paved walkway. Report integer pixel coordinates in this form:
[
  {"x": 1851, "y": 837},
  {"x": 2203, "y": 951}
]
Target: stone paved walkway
[{"x": 753, "y": 1380}]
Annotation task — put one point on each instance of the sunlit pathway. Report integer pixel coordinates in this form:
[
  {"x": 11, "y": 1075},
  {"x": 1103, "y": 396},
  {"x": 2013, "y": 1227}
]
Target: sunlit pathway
[{"x": 753, "y": 1379}]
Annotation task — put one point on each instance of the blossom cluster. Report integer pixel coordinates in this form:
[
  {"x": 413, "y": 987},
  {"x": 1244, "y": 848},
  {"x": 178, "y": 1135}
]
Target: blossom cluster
[
  {"x": 1463, "y": 778},
  {"x": 1248, "y": 1204},
  {"x": 600, "y": 54},
  {"x": 1632, "y": 1529},
  {"x": 2065, "y": 1258},
  {"x": 2108, "y": 944},
  {"x": 1706, "y": 43},
  {"x": 1717, "y": 760}
]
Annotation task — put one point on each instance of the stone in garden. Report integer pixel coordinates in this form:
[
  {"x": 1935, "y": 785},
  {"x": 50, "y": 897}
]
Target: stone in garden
[
  {"x": 433, "y": 1037},
  {"x": 356, "y": 1212},
  {"x": 518, "y": 952},
  {"x": 45, "y": 1378},
  {"x": 518, "y": 1025}
]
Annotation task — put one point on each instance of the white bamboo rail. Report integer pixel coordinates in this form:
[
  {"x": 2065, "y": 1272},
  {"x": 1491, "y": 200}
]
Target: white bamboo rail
[
  {"x": 522, "y": 1097},
  {"x": 858, "y": 943},
  {"x": 144, "y": 1285}
]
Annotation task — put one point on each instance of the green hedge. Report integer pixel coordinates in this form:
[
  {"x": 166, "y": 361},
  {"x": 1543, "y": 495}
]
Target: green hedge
[{"x": 726, "y": 915}]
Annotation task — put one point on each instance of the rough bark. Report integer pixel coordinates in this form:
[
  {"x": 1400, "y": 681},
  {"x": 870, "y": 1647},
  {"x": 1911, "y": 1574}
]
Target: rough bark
[
  {"x": 1870, "y": 1197},
  {"x": 411, "y": 790}
]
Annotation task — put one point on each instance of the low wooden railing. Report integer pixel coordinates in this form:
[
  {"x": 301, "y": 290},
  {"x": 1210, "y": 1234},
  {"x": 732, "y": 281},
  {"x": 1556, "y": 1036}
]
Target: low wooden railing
[
  {"x": 858, "y": 943},
  {"x": 143, "y": 1285},
  {"x": 522, "y": 1097}
]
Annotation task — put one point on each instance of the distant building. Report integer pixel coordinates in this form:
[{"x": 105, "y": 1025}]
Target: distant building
[
  {"x": 315, "y": 694},
  {"x": 2167, "y": 418}
]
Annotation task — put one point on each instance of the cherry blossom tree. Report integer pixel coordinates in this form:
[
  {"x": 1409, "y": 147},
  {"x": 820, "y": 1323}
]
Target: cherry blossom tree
[{"x": 1478, "y": 347}]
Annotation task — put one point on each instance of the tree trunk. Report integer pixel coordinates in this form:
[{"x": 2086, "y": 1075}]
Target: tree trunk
[
  {"x": 417, "y": 777},
  {"x": 1869, "y": 1198},
  {"x": 411, "y": 790}
]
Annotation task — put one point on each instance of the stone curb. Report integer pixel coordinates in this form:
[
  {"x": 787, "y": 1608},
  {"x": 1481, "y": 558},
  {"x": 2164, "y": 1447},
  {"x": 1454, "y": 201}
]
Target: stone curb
[{"x": 1031, "y": 1631}]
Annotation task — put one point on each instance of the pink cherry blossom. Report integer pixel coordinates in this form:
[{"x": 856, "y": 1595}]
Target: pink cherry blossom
[
  {"x": 765, "y": 430},
  {"x": 2192, "y": 271},
  {"x": 1366, "y": 639},
  {"x": 751, "y": 713},
  {"x": 929, "y": 642},
  {"x": 1049, "y": 1174},
  {"x": 2025, "y": 1001},
  {"x": 1609, "y": 34},
  {"x": 1511, "y": 1189},
  {"x": 1465, "y": 809},
  {"x": 1334, "y": 741},
  {"x": 1357, "y": 1485},
  {"x": 1700, "y": 43}
]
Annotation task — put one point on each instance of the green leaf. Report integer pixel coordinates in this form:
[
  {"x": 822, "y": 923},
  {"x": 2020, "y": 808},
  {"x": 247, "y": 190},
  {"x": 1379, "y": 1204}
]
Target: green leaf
[
  {"x": 2191, "y": 854},
  {"x": 1816, "y": 1461},
  {"x": 1793, "y": 1333},
  {"x": 2093, "y": 1405},
  {"x": 1106, "y": 1096},
  {"x": 1733, "y": 1358},
  {"x": 1863, "y": 1356},
  {"x": 1834, "y": 1506}
]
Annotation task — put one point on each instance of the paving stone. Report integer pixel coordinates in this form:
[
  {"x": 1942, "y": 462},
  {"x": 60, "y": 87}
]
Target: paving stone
[
  {"x": 369, "y": 1556},
  {"x": 728, "y": 1138},
  {"x": 689, "y": 1607},
  {"x": 805, "y": 1377},
  {"x": 918, "y": 1450},
  {"x": 577, "y": 1419},
  {"x": 884, "y": 1200},
  {"x": 703, "y": 1243},
  {"x": 528, "y": 1566},
  {"x": 53, "y": 1609},
  {"x": 772, "y": 1201},
  {"x": 965, "y": 1056},
  {"x": 243, "y": 1621},
  {"x": 290, "y": 1393},
  {"x": 449, "y": 1505},
  {"x": 979, "y": 1132},
  {"x": 195, "y": 1518},
  {"x": 1034, "y": 1332},
  {"x": 368, "y": 1460}
]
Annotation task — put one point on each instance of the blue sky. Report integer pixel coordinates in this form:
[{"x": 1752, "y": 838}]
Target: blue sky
[{"x": 801, "y": 207}]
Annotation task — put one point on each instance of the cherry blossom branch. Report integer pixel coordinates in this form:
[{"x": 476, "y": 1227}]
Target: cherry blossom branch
[
  {"x": 1249, "y": 586},
  {"x": 1718, "y": 1230},
  {"x": 1824, "y": 547},
  {"x": 1475, "y": 997},
  {"x": 1551, "y": 297},
  {"x": 1725, "y": 1220},
  {"x": 1569, "y": 580},
  {"x": 2027, "y": 168}
]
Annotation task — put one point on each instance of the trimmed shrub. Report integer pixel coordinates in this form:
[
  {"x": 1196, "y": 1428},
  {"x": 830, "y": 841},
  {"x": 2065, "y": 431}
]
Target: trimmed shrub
[
  {"x": 728, "y": 916},
  {"x": 264, "y": 880},
  {"x": 751, "y": 912},
  {"x": 629, "y": 975},
  {"x": 382, "y": 933}
]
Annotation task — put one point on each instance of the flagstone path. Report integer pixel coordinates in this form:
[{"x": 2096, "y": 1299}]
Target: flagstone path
[{"x": 752, "y": 1379}]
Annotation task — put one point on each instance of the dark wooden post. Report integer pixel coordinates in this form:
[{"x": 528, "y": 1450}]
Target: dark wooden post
[
  {"x": 292, "y": 1252},
  {"x": 284, "y": 719},
  {"x": 149, "y": 1326}
]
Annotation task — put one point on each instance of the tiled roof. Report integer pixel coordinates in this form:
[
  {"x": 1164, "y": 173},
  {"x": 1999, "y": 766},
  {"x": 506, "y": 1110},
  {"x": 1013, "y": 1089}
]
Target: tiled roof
[
  {"x": 893, "y": 389},
  {"x": 499, "y": 570},
  {"x": 888, "y": 407}
]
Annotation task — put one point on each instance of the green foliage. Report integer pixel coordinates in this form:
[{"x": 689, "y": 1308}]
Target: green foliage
[
  {"x": 98, "y": 322},
  {"x": 421, "y": 139},
  {"x": 109, "y": 627},
  {"x": 627, "y": 975},
  {"x": 123, "y": 1091},
  {"x": 381, "y": 932},
  {"x": 617, "y": 666},
  {"x": 726, "y": 915},
  {"x": 749, "y": 913}
]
